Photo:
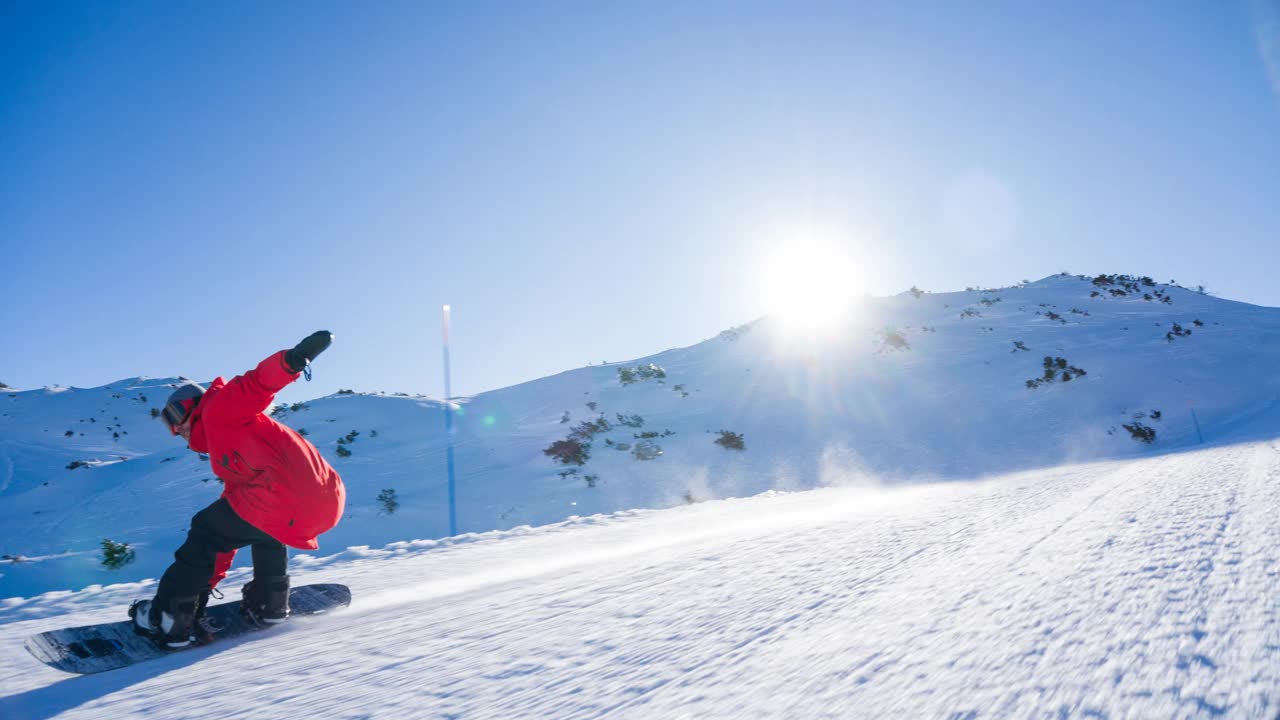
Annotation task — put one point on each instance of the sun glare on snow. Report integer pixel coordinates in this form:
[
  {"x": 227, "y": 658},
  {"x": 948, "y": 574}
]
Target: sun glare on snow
[{"x": 808, "y": 286}]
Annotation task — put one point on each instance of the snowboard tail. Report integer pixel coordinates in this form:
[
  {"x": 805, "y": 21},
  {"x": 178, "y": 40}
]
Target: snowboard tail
[{"x": 109, "y": 646}]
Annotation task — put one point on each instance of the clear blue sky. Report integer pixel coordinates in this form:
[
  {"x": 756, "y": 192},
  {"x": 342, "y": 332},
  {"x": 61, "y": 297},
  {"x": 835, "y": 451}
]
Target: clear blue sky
[{"x": 185, "y": 187}]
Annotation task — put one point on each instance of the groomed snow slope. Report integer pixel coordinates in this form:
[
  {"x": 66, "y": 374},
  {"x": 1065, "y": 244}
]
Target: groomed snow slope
[{"x": 1131, "y": 588}]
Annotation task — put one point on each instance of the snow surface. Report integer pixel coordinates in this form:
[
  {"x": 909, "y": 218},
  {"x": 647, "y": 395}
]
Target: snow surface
[
  {"x": 1140, "y": 588},
  {"x": 911, "y": 532}
]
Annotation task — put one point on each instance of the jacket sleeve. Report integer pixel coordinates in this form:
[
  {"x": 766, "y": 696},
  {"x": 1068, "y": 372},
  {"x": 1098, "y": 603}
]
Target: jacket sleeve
[{"x": 249, "y": 394}]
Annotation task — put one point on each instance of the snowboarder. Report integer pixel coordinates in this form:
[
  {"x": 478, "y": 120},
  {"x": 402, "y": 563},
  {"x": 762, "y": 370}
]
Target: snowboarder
[{"x": 278, "y": 491}]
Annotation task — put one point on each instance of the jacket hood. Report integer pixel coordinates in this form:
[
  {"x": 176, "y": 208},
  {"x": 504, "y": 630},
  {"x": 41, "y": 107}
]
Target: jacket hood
[{"x": 198, "y": 441}]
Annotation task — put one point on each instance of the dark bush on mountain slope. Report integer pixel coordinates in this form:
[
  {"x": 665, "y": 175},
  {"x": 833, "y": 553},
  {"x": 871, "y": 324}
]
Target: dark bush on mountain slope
[
  {"x": 279, "y": 410},
  {"x": 633, "y": 421},
  {"x": 1128, "y": 282},
  {"x": 651, "y": 434},
  {"x": 651, "y": 371},
  {"x": 387, "y": 499},
  {"x": 645, "y": 450},
  {"x": 916, "y": 292},
  {"x": 627, "y": 375},
  {"x": 116, "y": 555},
  {"x": 1177, "y": 331},
  {"x": 569, "y": 452},
  {"x": 343, "y": 451},
  {"x": 588, "y": 429},
  {"x": 730, "y": 440},
  {"x": 1055, "y": 367},
  {"x": 1141, "y": 432}
]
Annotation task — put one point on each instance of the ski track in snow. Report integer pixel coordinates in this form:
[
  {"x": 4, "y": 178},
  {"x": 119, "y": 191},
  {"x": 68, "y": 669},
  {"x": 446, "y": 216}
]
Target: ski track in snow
[{"x": 1118, "y": 589}]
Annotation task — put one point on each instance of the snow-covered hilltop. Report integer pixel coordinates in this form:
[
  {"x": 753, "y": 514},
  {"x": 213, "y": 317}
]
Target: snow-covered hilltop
[{"x": 918, "y": 386}]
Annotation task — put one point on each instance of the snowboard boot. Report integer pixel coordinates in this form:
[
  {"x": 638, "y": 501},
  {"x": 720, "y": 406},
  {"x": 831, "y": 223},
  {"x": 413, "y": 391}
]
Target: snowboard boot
[
  {"x": 266, "y": 600},
  {"x": 170, "y": 624},
  {"x": 203, "y": 628}
]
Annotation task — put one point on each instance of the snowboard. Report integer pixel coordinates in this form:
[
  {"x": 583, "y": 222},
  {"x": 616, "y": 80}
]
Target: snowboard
[{"x": 110, "y": 646}]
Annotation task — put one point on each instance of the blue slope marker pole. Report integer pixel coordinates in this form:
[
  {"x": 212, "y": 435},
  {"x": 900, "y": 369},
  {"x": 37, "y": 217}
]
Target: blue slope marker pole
[
  {"x": 448, "y": 431},
  {"x": 1196, "y": 420}
]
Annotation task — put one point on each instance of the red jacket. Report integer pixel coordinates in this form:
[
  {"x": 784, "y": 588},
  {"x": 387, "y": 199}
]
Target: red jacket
[{"x": 275, "y": 479}]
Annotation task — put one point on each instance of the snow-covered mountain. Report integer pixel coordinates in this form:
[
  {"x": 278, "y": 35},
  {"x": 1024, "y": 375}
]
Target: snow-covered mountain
[{"x": 919, "y": 386}]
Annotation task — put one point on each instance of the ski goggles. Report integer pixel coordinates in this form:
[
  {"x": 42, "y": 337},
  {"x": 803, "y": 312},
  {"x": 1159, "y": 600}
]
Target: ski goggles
[{"x": 175, "y": 413}]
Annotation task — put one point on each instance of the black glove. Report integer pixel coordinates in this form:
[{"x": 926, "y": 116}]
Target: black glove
[{"x": 307, "y": 350}]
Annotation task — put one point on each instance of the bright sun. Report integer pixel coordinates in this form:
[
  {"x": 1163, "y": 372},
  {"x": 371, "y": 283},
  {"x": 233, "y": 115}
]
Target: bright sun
[{"x": 808, "y": 286}]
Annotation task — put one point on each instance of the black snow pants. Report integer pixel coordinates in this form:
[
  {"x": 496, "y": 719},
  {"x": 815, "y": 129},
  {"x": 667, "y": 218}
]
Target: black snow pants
[{"x": 218, "y": 529}]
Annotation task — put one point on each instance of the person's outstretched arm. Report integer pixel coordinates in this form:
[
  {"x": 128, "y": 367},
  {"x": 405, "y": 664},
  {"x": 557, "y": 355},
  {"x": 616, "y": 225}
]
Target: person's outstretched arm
[{"x": 249, "y": 394}]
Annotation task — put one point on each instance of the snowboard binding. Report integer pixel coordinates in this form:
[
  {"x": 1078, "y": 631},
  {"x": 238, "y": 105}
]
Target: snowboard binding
[{"x": 149, "y": 621}]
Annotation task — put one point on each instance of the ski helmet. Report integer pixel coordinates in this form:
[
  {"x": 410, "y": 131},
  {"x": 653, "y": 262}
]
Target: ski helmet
[{"x": 180, "y": 404}]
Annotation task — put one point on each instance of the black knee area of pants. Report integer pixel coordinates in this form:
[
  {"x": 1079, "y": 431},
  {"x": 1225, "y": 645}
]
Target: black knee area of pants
[
  {"x": 218, "y": 529},
  {"x": 193, "y": 561}
]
